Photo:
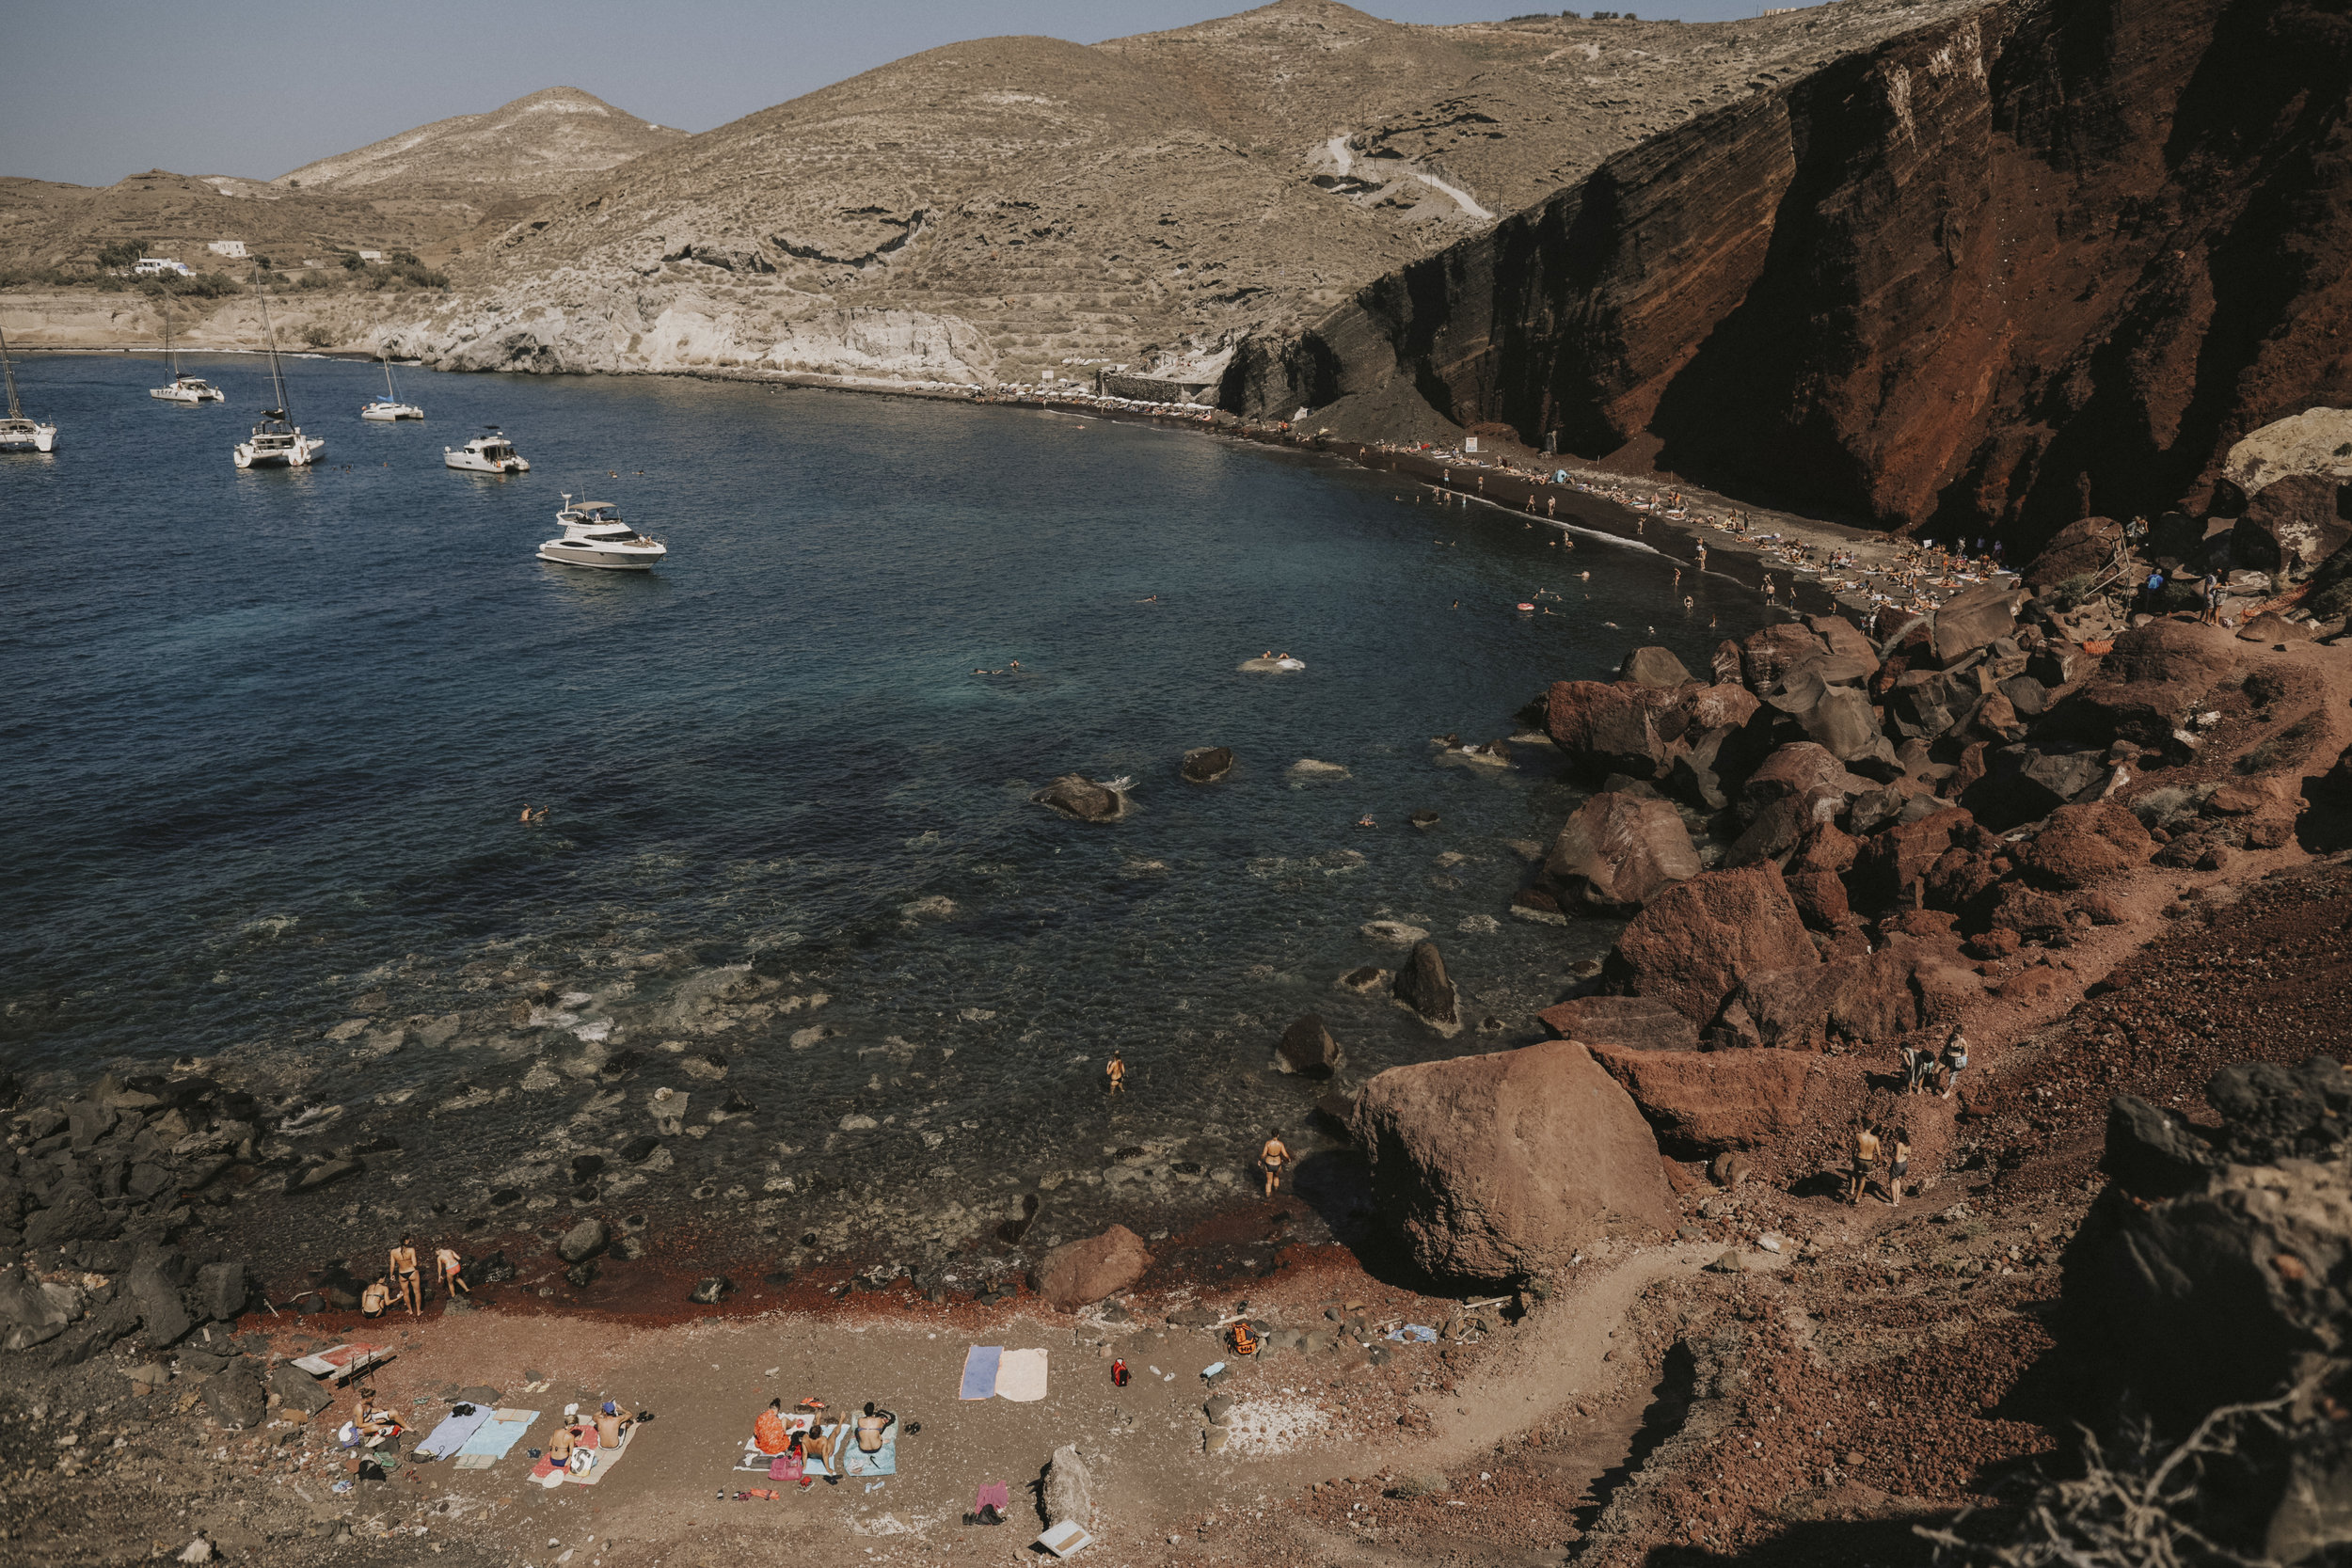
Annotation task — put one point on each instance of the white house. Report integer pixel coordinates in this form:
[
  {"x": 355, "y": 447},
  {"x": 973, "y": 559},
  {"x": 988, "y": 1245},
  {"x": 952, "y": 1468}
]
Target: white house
[
  {"x": 155, "y": 266},
  {"x": 227, "y": 247},
  {"x": 371, "y": 255}
]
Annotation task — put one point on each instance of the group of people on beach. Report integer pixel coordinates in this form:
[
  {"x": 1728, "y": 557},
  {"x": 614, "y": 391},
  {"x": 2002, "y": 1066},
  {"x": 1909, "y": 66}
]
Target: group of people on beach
[
  {"x": 402, "y": 1282},
  {"x": 791, "y": 1440}
]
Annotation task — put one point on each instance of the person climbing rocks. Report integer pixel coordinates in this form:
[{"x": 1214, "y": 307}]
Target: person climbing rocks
[
  {"x": 1866, "y": 1159},
  {"x": 1955, "y": 1060}
]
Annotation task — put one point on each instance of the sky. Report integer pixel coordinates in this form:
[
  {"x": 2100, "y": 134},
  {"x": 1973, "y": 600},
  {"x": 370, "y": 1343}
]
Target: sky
[{"x": 105, "y": 88}]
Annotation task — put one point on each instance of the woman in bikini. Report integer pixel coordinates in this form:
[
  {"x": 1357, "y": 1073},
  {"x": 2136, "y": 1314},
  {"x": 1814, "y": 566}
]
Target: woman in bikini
[{"x": 404, "y": 1274}]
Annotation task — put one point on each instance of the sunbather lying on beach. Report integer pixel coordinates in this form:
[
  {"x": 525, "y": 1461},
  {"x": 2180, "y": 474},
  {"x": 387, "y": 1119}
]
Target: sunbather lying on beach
[
  {"x": 870, "y": 1427},
  {"x": 769, "y": 1435}
]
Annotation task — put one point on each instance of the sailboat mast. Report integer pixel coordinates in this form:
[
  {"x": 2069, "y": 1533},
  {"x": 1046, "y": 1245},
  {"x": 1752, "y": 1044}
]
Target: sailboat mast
[
  {"x": 171, "y": 361},
  {"x": 276, "y": 379},
  {"x": 8, "y": 370}
]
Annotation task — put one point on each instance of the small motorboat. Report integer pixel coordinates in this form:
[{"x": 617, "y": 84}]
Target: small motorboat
[
  {"x": 389, "y": 406},
  {"x": 487, "y": 453},
  {"x": 596, "y": 536},
  {"x": 17, "y": 433}
]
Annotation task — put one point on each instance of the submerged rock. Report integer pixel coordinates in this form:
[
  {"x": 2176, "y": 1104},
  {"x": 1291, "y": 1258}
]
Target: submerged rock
[
  {"x": 1307, "y": 1047},
  {"x": 1207, "y": 764},
  {"x": 1081, "y": 798}
]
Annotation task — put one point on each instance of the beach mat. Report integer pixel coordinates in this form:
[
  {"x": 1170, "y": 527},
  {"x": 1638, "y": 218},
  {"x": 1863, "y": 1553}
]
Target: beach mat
[
  {"x": 607, "y": 1458},
  {"x": 1021, "y": 1375},
  {"x": 979, "y": 1371},
  {"x": 752, "y": 1459},
  {"x": 857, "y": 1462},
  {"x": 494, "y": 1438},
  {"x": 451, "y": 1434}
]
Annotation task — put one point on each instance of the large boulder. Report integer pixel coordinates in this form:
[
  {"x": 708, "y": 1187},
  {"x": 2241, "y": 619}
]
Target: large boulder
[
  {"x": 1862, "y": 1000},
  {"x": 1843, "y": 723},
  {"x": 298, "y": 1391},
  {"x": 235, "y": 1397},
  {"x": 2290, "y": 527},
  {"x": 221, "y": 1291},
  {"x": 1770, "y": 653},
  {"x": 1621, "y": 1023},
  {"x": 1617, "y": 851},
  {"x": 1422, "y": 984},
  {"x": 1694, "y": 941},
  {"x": 1068, "y": 1490},
  {"x": 583, "y": 1240},
  {"x": 2024, "y": 784},
  {"x": 1974, "y": 617},
  {"x": 2084, "y": 550},
  {"x": 1498, "y": 1166},
  {"x": 1702, "y": 1102},
  {"x": 2086, "y": 843},
  {"x": 1653, "y": 667},
  {"x": 1896, "y": 857},
  {"x": 1207, "y": 764},
  {"x": 1078, "y": 1272},
  {"x": 1073, "y": 795},
  {"x": 1799, "y": 769},
  {"x": 2154, "y": 675},
  {"x": 1608, "y": 727}
]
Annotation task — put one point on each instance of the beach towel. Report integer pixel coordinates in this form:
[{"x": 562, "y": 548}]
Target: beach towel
[
  {"x": 1021, "y": 1375},
  {"x": 451, "y": 1434},
  {"x": 494, "y": 1437},
  {"x": 545, "y": 1470},
  {"x": 979, "y": 1371},
  {"x": 752, "y": 1459},
  {"x": 606, "y": 1458},
  {"x": 856, "y": 1462}
]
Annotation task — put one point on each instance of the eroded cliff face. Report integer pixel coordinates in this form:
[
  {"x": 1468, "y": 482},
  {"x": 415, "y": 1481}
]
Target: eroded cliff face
[{"x": 2041, "y": 259}]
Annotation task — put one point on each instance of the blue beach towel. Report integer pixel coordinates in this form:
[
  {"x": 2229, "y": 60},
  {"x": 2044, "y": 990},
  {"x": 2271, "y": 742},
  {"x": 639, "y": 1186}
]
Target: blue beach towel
[
  {"x": 494, "y": 1437},
  {"x": 979, "y": 1371},
  {"x": 857, "y": 1462},
  {"x": 452, "y": 1433}
]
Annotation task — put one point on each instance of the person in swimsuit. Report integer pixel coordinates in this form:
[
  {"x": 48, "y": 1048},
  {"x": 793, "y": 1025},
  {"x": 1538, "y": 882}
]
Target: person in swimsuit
[
  {"x": 1898, "y": 1170},
  {"x": 611, "y": 1426},
  {"x": 374, "y": 1299},
  {"x": 1272, "y": 1158},
  {"x": 452, "y": 1281},
  {"x": 560, "y": 1447},
  {"x": 769, "y": 1435},
  {"x": 1866, "y": 1159},
  {"x": 870, "y": 1427},
  {"x": 405, "y": 1286},
  {"x": 1116, "y": 1070},
  {"x": 1955, "y": 1060}
]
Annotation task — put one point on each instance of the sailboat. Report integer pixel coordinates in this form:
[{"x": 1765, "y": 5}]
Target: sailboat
[
  {"x": 276, "y": 444},
  {"x": 17, "y": 433},
  {"x": 389, "y": 406},
  {"x": 183, "y": 388}
]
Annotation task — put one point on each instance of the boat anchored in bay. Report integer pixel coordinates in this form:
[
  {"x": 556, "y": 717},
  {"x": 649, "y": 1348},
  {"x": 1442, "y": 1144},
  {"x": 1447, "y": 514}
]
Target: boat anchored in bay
[
  {"x": 491, "y": 454},
  {"x": 191, "y": 390},
  {"x": 17, "y": 433},
  {"x": 275, "y": 443},
  {"x": 389, "y": 406},
  {"x": 596, "y": 536}
]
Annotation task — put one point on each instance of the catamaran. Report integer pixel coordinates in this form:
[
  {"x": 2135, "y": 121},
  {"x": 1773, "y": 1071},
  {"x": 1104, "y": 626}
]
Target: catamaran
[
  {"x": 275, "y": 443},
  {"x": 17, "y": 433},
  {"x": 389, "y": 406},
  {"x": 183, "y": 388}
]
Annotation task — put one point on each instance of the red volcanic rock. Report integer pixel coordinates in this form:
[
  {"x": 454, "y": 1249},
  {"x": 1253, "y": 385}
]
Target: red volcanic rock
[
  {"x": 1770, "y": 653},
  {"x": 1078, "y": 1272},
  {"x": 2032, "y": 914},
  {"x": 1707, "y": 1101},
  {"x": 1820, "y": 897},
  {"x": 1865, "y": 1000},
  {"x": 1499, "y": 1165},
  {"x": 1894, "y": 859},
  {"x": 1653, "y": 667},
  {"x": 2086, "y": 843},
  {"x": 2154, "y": 674},
  {"x": 1622, "y": 1023},
  {"x": 1837, "y": 288},
  {"x": 1607, "y": 727},
  {"x": 1618, "y": 851},
  {"x": 2084, "y": 547},
  {"x": 1826, "y": 849},
  {"x": 1691, "y": 945},
  {"x": 1970, "y": 619},
  {"x": 1799, "y": 768}
]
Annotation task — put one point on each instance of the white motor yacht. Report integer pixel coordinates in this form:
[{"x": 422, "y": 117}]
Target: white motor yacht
[
  {"x": 17, "y": 433},
  {"x": 389, "y": 406},
  {"x": 274, "y": 442},
  {"x": 594, "y": 535},
  {"x": 490, "y": 454},
  {"x": 189, "y": 390}
]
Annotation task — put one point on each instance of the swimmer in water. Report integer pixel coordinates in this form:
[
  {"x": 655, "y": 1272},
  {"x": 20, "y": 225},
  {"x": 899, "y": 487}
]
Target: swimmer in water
[
  {"x": 1366, "y": 821},
  {"x": 1687, "y": 602},
  {"x": 1584, "y": 576}
]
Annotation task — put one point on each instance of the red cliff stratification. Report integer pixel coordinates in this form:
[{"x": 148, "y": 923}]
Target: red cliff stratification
[{"x": 2041, "y": 260}]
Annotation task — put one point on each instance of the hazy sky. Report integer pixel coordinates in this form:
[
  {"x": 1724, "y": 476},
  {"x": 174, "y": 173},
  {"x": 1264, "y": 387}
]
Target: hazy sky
[{"x": 105, "y": 88}]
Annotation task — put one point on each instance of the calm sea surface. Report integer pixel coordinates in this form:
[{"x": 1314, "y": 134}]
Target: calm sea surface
[{"x": 267, "y": 735}]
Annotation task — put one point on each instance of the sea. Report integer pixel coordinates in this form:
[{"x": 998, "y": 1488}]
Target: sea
[{"x": 269, "y": 738}]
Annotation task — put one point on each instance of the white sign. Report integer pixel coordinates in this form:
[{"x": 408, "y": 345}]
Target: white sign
[{"x": 1470, "y": 443}]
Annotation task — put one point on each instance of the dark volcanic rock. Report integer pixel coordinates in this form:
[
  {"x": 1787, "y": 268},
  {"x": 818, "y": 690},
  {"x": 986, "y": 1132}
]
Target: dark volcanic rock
[
  {"x": 221, "y": 1291},
  {"x": 1207, "y": 764},
  {"x": 583, "y": 1240},
  {"x": 1075, "y": 796},
  {"x": 1307, "y": 1047},
  {"x": 1422, "y": 984},
  {"x": 1653, "y": 667},
  {"x": 298, "y": 1391},
  {"x": 235, "y": 1397}
]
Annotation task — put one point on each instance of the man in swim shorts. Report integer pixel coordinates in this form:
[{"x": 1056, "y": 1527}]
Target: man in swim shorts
[
  {"x": 405, "y": 1286},
  {"x": 1866, "y": 1159},
  {"x": 1272, "y": 1158}
]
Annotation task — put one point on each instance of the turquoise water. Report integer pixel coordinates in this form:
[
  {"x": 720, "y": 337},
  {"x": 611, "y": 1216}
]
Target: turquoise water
[{"x": 268, "y": 735}]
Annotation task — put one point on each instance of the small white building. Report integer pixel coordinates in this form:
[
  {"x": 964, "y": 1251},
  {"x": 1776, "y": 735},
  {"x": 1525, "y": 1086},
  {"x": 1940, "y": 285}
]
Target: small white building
[
  {"x": 155, "y": 266},
  {"x": 227, "y": 247},
  {"x": 371, "y": 255}
]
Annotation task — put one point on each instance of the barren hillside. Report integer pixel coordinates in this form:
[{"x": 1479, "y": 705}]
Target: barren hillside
[
  {"x": 1013, "y": 208},
  {"x": 531, "y": 147}
]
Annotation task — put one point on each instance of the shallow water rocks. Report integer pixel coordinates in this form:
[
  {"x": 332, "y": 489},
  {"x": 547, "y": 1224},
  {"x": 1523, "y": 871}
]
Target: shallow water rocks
[
  {"x": 1690, "y": 947},
  {"x": 1497, "y": 1165},
  {"x": 1608, "y": 727},
  {"x": 1079, "y": 797},
  {"x": 1617, "y": 851},
  {"x": 710, "y": 1291},
  {"x": 1423, "y": 985},
  {"x": 1079, "y": 1273},
  {"x": 1307, "y": 1047},
  {"x": 1207, "y": 764},
  {"x": 1308, "y": 769},
  {"x": 583, "y": 1240}
]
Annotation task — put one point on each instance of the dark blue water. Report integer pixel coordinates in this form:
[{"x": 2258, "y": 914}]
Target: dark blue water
[{"x": 267, "y": 735}]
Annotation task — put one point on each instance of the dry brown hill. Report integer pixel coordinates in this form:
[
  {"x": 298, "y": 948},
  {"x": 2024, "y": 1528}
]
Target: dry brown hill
[
  {"x": 1017, "y": 207},
  {"x": 531, "y": 147}
]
